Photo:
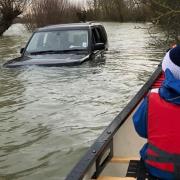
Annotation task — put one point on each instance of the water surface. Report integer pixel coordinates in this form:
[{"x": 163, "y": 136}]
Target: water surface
[{"x": 50, "y": 116}]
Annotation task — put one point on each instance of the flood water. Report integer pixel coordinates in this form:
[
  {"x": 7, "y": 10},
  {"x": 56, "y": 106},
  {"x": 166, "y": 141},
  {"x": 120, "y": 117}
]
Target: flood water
[{"x": 50, "y": 116}]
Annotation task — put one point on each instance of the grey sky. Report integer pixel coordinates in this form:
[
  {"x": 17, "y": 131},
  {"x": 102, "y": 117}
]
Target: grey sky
[{"x": 80, "y": 1}]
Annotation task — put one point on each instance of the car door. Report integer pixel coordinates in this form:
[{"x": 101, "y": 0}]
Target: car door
[
  {"x": 102, "y": 32},
  {"x": 97, "y": 37}
]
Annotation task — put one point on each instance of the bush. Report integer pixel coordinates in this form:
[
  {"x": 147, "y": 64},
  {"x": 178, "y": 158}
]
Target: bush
[{"x": 49, "y": 12}]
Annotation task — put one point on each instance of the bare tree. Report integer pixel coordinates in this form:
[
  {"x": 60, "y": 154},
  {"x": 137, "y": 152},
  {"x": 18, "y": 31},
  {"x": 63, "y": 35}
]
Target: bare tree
[
  {"x": 48, "y": 12},
  {"x": 117, "y": 10},
  {"x": 9, "y": 10},
  {"x": 166, "y": 15}
]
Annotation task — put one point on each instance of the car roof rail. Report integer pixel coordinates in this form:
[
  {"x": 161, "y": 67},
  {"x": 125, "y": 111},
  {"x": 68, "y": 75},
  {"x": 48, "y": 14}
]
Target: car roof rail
[{"x": 88, "y": 22}]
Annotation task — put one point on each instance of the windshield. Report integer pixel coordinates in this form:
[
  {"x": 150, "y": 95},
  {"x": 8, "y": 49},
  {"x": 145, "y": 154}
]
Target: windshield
[{"x": 58, "y": 41}]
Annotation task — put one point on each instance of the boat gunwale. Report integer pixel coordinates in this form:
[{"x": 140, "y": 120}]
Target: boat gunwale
[{"x": 85, "y": 163}]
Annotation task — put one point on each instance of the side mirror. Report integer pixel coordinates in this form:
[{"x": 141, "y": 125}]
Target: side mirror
[
  {"x": 99, "y": 46},
  {"x": 22, "y": 50}
]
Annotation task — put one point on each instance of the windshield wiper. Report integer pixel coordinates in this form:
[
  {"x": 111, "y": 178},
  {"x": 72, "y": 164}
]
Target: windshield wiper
[
  {"x": 71, "y": 50},
  {"x": 74, "y": 50},
  {"x": 55, "y": 51},
  {"x": 45, "y": 52}
]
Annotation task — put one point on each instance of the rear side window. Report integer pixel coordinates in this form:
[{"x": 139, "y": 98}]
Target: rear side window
[
  {"x": 102, "y": 33},
  {"x": 99, "y": 35},
  {"x": 96, "y": 36}
]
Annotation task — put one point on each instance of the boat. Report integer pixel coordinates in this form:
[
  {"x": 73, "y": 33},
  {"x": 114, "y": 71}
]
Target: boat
[{"x": 115, "y": 153}]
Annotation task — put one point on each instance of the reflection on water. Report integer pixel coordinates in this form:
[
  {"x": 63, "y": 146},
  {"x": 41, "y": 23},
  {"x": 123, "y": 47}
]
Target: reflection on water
[
  {"x": 50, "y": 116},
  {"x": 12, "y": 41}
]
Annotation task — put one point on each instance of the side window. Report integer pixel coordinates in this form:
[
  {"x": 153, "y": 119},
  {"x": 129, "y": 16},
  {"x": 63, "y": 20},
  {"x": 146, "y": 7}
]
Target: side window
[
  {"x": 95, "y": 35},
  {"x": 102, "y": 33},
  {"x": 99, "y": 35}
]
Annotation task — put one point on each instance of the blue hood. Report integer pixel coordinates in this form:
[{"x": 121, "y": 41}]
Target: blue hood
[{"x": 170, "y": 89}]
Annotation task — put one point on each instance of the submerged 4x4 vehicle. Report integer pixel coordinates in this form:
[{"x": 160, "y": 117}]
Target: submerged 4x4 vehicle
[{"x": 62, "y": 45}]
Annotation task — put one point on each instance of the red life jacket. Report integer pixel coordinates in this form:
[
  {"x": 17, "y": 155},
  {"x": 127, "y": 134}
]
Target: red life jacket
[
  {"x": 163, "y": 134},
  {"x": 158, "y": 82}
]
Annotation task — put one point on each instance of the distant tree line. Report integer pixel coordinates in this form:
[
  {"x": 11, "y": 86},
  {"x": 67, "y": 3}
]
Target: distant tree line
[
  {"x": 117, "y": 10},
  {"x": 162, "y": 13},
  {"x": 48, "y": 12},
  {"x": 43, "y": 12}
]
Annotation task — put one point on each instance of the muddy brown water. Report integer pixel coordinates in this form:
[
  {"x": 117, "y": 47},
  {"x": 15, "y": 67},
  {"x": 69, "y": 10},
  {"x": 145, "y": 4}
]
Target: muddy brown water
[{"x": 50, "y": 116}]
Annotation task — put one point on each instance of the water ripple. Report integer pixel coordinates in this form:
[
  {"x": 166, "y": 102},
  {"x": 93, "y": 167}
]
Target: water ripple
[{"x": 50, "y": 116}]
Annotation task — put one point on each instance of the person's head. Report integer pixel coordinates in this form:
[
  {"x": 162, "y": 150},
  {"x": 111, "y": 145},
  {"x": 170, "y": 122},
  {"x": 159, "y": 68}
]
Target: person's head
[{"x": 171, "y": 61}]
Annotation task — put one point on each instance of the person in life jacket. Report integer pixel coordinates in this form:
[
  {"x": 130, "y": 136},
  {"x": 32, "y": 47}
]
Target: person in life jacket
[{"x": 158, "y": 120}]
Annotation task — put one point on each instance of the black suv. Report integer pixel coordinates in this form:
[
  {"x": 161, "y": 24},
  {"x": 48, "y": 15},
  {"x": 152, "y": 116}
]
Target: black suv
[{"x": 62, "y": 45}]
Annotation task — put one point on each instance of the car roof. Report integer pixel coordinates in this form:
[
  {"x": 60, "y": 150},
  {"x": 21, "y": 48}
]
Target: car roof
[{"x": 85, "y": 25}]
